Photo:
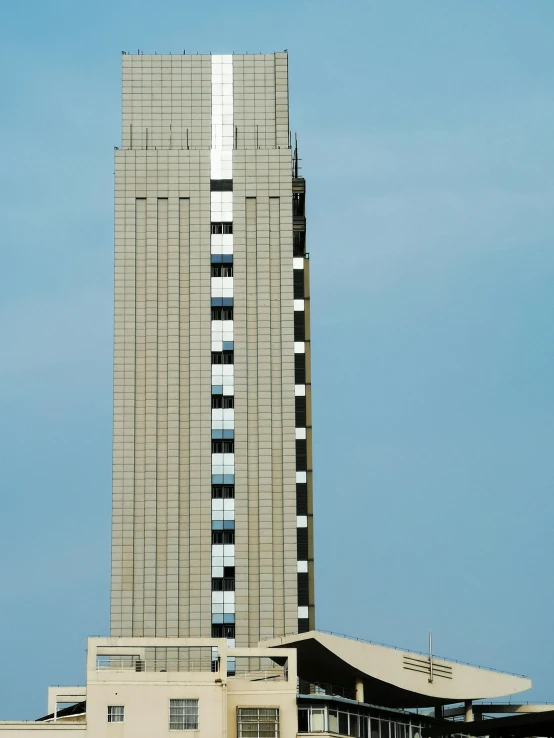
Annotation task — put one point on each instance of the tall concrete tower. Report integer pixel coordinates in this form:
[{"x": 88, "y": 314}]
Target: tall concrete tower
[{"x": 212, "y": 472}]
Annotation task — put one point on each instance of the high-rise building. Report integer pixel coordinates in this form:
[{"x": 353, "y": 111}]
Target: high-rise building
[
  {"x": 212, "y": 471},
  {"x": 212, "y": 537}
]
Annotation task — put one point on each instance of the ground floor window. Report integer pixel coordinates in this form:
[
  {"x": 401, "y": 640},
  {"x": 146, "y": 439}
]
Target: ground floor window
[{"x": 258, "y": 722}]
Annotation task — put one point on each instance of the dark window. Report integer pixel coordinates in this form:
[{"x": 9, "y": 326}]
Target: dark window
[
  {"x": 299, "y": 203},
  {"x": 303, "y": 625},
  {"x": 222, "y": 357},
  {"x": 223, "y": 585},
  {"x": 222, "y": 270},
  {"x": 303, "y": 595},
  {"x": 220, "y": 401},
  {"x": 223, "y": 446},
  {"x": 301, "y": 498},
  {"x": 299, "y": 325},
  {"x": 299, "y": 243},
  {"x": 221, "y": 185},
  {"x": 300, "y": 408},
  {"x": 219, "y": 228},
  {"x": 224, "y": 537},
  {"x": 220, "y": 491},
  {"x": 301, "y": 455},
  {"x": 300, "y": 368},
  {"x": 223, "y": 313},
  {"x": 302, "y": 544},
  {"x": 303, "y": 720},
  {"x": 223, "y": 631},
  {"x": 298, "y": 282}
]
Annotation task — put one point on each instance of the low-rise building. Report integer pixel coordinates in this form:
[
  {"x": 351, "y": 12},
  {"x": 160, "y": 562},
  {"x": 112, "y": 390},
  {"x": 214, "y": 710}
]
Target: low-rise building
[{"x": 310, "y": 683}]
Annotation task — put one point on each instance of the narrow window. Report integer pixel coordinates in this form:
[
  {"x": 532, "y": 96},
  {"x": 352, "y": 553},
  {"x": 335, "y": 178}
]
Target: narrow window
[
  {"x": 228, "y": 447},
  {"x": 299, "y": 325},
  {"x": 299, "y": 243},
  {"x": 221, "y": 185},
  {"x": 299, "y": 204},
  {"x": 217, "y": 400},
  {"x": 223, "y": 584},
  {"x": 302, "y": 544},
  {"x": 225, "y": 313},
  {"x": 222, "y": 270},
  {"x": 223, "y": 537},
  {"x": 301, "y": 454},
  {"x": 300, "y": 411},
  {"x": 228, "y": 401},
  {"x": 217, "y": 446},
  {"x": 299, "y": 368},
  {"x": 303, "y": 588},
  {"x": 183, "y": 714},
  {"x": 298, "y": 283},
  {"x": 222, "y": 357},
  {"x": 116, "y": 713},
  {"x": 301, "y": 498},
  {"x": 223, "y": 631},
  {"x": 219, "y": 228},
  {"x": 223, "y": 492}
]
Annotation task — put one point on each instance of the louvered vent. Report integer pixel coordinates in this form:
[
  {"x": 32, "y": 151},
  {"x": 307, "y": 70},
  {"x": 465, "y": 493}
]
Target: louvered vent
[{"x": 422, "y": 664}]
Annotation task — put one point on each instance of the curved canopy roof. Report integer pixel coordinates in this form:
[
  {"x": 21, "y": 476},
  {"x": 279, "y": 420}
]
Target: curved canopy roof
[{"x": 392, "y": 677}]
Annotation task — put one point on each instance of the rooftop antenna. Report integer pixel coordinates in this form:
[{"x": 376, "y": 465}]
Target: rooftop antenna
[
  {"x": 295, "y": 158},
  {"x": 430, "y": 657}
]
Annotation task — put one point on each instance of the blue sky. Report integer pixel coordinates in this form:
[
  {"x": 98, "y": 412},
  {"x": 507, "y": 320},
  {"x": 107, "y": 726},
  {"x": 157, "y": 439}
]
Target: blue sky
[{"x": 425, "y": 130}]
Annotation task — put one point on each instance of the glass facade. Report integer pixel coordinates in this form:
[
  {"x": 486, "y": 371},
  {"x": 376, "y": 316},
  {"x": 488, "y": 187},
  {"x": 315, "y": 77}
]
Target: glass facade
[{"x": 352, "y": 721}]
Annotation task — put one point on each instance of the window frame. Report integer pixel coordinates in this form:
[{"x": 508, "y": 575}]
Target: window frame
[
  {"x": 259, "y": 723},
  {"x": 219, "y": 228},
  {"x": 110, "y": 715},
  {"x": 221, "y": 269},
  {"x": 184, "y": 715}
]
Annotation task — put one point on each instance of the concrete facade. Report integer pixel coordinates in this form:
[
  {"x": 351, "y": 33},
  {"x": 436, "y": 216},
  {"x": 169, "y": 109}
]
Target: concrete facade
[
  {"x": 212, "y": 513},
  {"x": 141, "y": 678}
]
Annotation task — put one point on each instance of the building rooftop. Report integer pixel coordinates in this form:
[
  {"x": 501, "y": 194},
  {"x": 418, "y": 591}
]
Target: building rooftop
[{"x": 393, "y": 677}]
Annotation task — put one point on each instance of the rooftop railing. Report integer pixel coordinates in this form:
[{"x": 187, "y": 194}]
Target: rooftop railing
[{"x": 411, "y": 650}]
